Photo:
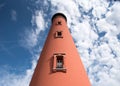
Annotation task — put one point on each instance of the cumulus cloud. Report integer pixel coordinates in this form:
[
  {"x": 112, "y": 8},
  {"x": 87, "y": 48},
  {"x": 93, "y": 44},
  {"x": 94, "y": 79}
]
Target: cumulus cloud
[
  {"x": 31, "y": 36},
  {"x": 94, "y": 25},
  {"x": 71, "y": 10},
  {"x": 113, "y": 16},
  {"x": 38, "y": 20}
]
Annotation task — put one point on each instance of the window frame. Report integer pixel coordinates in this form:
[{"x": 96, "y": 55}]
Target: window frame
[
  {"x": 63, "y": 68},
  {"x": 57, "y": 34}
]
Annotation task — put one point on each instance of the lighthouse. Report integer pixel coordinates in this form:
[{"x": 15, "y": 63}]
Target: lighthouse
[{"x": 59, "y": 63}]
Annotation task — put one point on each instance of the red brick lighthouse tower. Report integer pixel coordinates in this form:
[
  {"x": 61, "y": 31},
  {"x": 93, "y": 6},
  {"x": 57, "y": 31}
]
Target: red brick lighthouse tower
[{"x": 59, "y": 63}]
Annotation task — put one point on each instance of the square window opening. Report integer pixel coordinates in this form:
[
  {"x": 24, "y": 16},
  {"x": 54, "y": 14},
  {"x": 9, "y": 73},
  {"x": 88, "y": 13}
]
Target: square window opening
[
  {"x": 59, "y": 23},
  {"x": 59, "y": 34}
]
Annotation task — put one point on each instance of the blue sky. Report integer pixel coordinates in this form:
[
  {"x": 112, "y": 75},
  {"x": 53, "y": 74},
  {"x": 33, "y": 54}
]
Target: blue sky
[
  {"x": 14, "y": 18},
  {"x": 94, "y": 26}
]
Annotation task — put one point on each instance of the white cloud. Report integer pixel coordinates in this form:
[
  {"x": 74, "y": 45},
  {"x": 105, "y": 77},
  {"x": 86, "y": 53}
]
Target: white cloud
[
  {"x": 31, "y": 36},
  {"x": 99, "y": 7},
  {"x": 38, "y": 19},
  {"x": 85, "y": 4},
  {"x": 13, "y": 15},
  {"x": 70, "y": 9},
  {"x": 113, "y": 17}
]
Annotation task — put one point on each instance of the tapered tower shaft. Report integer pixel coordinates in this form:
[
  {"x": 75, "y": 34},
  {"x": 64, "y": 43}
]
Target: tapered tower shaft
[{"x": 59, "y": 63}]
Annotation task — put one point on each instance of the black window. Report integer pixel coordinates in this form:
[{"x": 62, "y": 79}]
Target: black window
[
  {"x": 59, "y": 23},
  {"x": 59, "y": 34}
]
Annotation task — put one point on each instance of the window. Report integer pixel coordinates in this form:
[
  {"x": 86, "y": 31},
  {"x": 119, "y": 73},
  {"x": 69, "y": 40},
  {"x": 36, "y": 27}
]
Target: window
[
  {"x": 59, "y": 62},
  {"x": 59, "y": 23},
  {"x": 58, "y": 34}
]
